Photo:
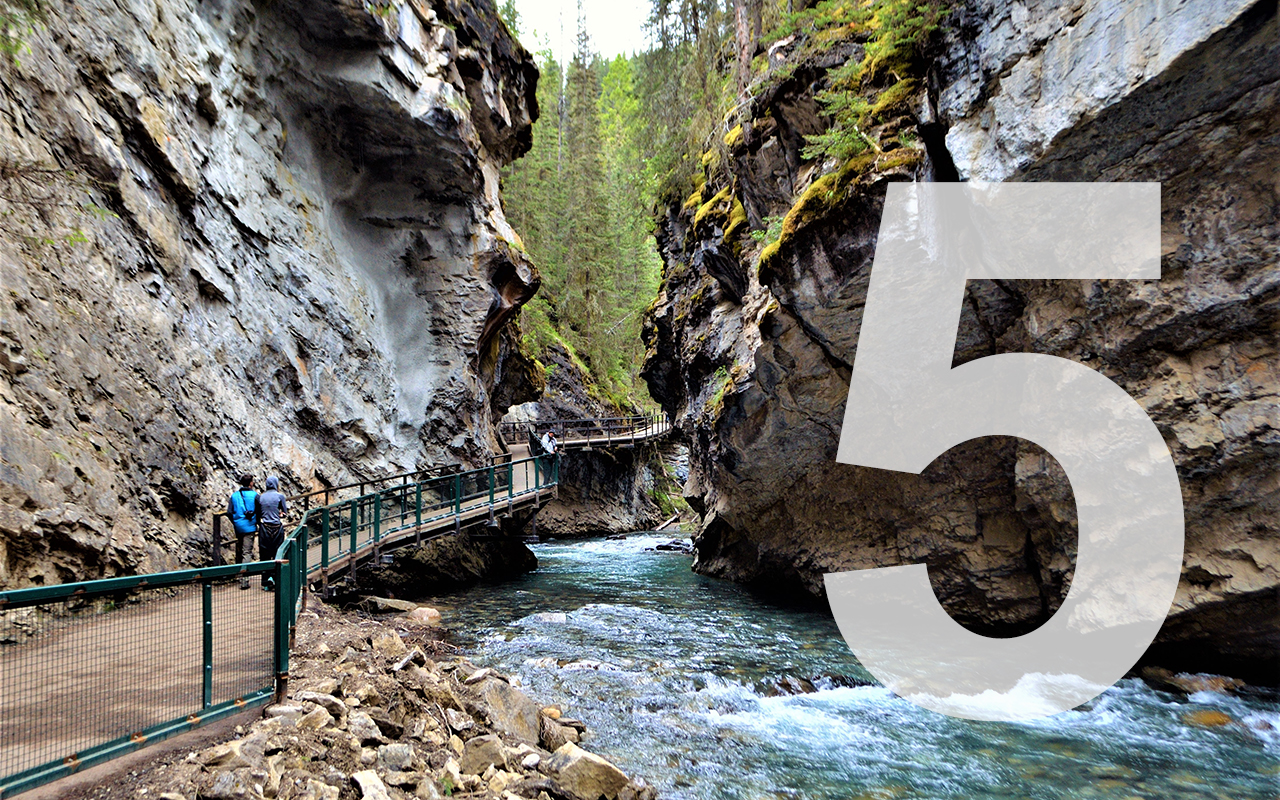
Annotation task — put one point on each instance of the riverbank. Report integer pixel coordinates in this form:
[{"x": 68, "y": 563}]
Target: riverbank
[{"x": 383, "y": 708}]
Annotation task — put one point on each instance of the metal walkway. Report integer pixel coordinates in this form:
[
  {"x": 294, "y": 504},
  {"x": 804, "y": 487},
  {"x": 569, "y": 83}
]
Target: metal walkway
[{"x": 92, "y": 670}]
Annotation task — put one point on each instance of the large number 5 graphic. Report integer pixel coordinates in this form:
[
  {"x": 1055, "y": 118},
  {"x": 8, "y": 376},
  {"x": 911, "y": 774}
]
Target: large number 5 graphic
[{"x": 907, "y": 406}]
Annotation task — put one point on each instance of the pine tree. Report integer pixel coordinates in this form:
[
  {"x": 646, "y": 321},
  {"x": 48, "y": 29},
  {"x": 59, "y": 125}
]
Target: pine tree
[{"x": 587, "y": 212}]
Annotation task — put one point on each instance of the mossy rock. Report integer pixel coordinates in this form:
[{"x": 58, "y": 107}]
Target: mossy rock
[
  {"x": 827, "y": 194},
  {"x": 717, "y": 205},
  {"x": 733, "y": 138}
]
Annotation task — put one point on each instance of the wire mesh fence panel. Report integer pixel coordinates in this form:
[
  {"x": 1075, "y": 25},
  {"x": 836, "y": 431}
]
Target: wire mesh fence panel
[
  {"x": 243, "y": 623},
  {"x": 78, "y": 673},
  {"x": 74, "y": 673}
]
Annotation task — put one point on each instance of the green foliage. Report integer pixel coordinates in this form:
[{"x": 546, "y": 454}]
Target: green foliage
[
  {"x": 582, "y": 200},
  {"x": 666, "y": 491},
  {"x": 771, "y": 233},
  {"x": 383, "y": 8},
  {"x": 19, "y": 18},
  {"x": 867, "y": 92},
  {"x": 821, "y": 17},
  {"x": 721, "y": 381},
  {"x": 510, "y": 16},
  {"x": 685, "y": 83},
  {"x": 39, "y": 196}
]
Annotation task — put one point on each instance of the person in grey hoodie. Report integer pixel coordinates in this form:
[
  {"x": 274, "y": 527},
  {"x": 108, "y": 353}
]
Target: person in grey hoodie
[{"x": 270, "y": 509}]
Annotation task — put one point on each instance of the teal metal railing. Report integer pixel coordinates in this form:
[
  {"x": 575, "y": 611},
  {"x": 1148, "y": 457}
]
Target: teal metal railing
[{"x": 92, "y": 670}]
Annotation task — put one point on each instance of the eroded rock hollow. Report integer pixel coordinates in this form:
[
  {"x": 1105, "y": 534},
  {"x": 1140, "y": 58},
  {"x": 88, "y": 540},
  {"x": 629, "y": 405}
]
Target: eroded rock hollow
[{"x": 259, "y": 237}]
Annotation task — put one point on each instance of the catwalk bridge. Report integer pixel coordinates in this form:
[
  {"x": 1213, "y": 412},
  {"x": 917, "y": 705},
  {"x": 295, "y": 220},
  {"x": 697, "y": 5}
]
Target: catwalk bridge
[{"x": 90, "y": 671}]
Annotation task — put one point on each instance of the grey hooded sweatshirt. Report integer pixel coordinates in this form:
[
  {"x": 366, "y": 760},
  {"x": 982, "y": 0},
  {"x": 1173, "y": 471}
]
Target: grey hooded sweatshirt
[{"x": 270, "y": 505}]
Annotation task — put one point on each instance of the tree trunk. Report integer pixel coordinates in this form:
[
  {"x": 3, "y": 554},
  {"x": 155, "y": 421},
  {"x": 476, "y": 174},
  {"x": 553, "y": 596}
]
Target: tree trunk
[{"x": 744, "y": 46}]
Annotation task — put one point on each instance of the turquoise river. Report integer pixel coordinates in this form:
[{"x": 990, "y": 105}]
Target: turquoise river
[{"x": 710, "y": 693}]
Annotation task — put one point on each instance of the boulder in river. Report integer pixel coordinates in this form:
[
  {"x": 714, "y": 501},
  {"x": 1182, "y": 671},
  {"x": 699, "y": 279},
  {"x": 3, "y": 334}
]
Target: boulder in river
[
  {"x": 1207, "y": 718},
  {"x": 584, "y": 775},
  {"x": 1186, "y": 683}
]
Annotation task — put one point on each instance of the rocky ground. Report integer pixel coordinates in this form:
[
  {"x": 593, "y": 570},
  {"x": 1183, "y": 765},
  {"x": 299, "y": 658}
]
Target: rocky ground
[{"x": 379, "y": 709}]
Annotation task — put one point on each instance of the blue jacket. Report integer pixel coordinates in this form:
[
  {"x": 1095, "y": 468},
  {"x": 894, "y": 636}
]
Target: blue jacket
[{"x": 240, "y": 507}]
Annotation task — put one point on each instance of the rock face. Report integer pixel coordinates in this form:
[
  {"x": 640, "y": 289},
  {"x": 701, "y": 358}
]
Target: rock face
[
  {"x": 247, "y": 237},
  {"x": 450, "y": 562},
  {"x": 1041, "y": 91},
  {"x": 604, "y": 490}
]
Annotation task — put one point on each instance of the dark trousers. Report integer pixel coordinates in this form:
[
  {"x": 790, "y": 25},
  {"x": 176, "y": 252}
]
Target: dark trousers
[{"x": 270, "y": 537}]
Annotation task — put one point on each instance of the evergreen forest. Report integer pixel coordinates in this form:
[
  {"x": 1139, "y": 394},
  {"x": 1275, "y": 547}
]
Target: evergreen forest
[{"x": 617, "y": 138}]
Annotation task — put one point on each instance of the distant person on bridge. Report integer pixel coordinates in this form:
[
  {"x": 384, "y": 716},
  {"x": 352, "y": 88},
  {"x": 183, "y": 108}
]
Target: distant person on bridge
[
  {"x": 549, "y": 443},
  {"x": 270, "y": 508},
  {"x": 241, "y": 509}
]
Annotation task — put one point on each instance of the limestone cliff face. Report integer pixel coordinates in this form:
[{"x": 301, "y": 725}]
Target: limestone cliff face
[
  {"x": 756, "y": 366},
  {"x": 247, "y": 236},
  {"x": 601, "y": 491}
]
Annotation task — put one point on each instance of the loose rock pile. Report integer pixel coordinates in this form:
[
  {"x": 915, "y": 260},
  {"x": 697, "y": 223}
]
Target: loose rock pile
[{"x": 372, "y": 715}]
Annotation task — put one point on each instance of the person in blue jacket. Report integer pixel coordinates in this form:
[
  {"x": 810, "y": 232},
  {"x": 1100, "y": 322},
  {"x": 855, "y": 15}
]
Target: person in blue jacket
[{"x": 242, "y": 509}]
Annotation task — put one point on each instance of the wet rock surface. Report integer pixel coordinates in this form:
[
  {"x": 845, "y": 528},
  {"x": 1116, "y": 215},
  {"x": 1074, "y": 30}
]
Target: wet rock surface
[
  {"x": 378, "y": 710},
  {"x": 247, "y": 237},
  {"x": 758, "y": 382},
  {"x": 450, "y": 562}
]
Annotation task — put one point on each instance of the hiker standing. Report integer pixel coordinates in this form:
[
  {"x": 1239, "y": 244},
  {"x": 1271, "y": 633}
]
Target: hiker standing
[
  {"x": 241, "y": 508},
  {"x": 549, "y": 442},
  {"x": 270, "y": 509}
]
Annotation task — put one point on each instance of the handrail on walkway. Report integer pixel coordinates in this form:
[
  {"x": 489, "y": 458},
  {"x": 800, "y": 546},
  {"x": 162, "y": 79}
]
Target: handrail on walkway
[
  {"x": 75, "y": 657},
  {"x": 632, "y": 427},
  {"x": 403, "y": 478},
  {"x": 133, "y": 628}
]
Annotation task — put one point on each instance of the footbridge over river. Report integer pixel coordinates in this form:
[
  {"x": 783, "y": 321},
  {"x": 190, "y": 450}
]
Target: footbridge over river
[{"x": 92, "y": 670}]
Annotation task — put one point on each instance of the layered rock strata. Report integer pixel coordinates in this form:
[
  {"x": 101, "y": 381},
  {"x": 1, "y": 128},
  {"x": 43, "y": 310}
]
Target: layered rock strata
[
  {"x": 756, "y": 365},
  {"x": 247, "y": 237}
]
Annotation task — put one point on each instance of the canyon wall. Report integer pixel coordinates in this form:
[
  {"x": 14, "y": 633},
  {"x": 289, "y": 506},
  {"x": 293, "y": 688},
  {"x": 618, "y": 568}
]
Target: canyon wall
[
  {"x": 240, "y": 236},
  {"x": 752, "y": 342}
]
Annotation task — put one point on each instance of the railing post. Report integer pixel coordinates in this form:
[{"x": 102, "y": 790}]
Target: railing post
[
  {"x": 511, "y": 484},
  {"x": 206, "y": 590},
  {"x": 304, "y": 540},
  {"x": 492, "y": 475},
  {"x": 417, "y": 514},
  {"x": 324, "y": 551},
  {"x": 217, "y": 540},
  {"x": 355, "y": 524},
  {"x": 377, "y": 524},
  {"x": 281, "y": 633}
]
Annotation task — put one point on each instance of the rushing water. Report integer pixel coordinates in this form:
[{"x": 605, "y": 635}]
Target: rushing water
[{"x": 678, "y": 678}]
